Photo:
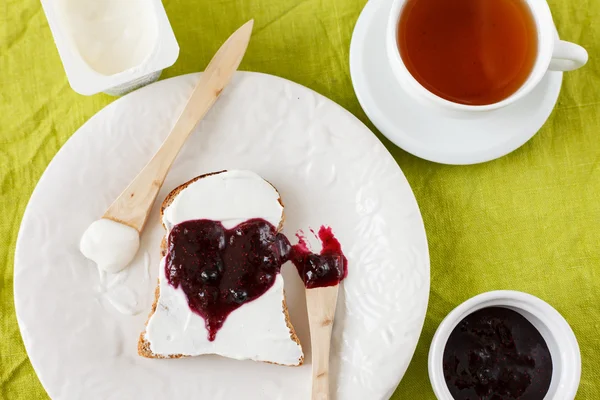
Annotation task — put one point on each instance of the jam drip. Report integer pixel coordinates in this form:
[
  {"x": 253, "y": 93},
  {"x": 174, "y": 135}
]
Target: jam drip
[
  {"x": 328, "y": 268},
  {"x": 220, "y": 269},
  {"x": 496, "y": 353}
]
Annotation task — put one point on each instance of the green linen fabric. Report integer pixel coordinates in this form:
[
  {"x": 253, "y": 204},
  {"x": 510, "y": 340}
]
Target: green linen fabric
[{"x": 529, "y": 221}]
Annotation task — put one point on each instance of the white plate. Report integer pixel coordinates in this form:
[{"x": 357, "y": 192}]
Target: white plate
[
  {"x": 329, "y": 168},
  {"x": 423, "y": 132}
]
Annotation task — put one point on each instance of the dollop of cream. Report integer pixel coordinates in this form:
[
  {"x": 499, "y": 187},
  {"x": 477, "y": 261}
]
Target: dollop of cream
[{"x": 110, "y": 244}]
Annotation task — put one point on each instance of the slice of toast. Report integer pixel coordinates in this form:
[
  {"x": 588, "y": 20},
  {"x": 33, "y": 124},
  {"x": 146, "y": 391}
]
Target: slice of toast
[{"x": 285, "y": 350}]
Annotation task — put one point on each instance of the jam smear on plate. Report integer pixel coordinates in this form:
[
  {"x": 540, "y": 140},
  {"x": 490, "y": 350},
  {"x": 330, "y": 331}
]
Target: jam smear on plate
[
  {"x": 221, "y": 269},
  {"x": 497, "y": 354}
]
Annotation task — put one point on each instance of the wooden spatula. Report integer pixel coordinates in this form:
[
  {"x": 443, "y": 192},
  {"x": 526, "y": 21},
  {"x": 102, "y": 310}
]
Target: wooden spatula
[
  {"x": 321, "y": 303},
  {"x": 134, "y": 204}
]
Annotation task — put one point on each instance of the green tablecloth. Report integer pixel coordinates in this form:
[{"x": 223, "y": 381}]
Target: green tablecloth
[{"x": 529, "y": 221}]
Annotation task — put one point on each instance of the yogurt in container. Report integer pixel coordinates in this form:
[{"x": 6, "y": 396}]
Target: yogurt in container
[{"x": 111, "y": 46}]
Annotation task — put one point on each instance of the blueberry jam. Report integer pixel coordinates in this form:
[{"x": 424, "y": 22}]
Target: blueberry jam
[
  {"x": 328, "y": 268},
  {"x": 497, "y": 354},
  {"x": 220, "y": 269}
]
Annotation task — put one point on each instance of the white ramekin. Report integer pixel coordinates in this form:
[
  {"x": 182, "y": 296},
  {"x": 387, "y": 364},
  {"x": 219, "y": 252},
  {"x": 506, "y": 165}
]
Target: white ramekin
[{"x": 561, "y": 341}]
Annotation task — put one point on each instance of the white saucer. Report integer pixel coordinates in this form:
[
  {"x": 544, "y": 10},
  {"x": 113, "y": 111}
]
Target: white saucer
[{"x": 419, "y": 130}]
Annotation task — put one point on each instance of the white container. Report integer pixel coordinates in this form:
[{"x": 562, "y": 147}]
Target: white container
[
  {"x": 561, "y": 341},
  {"x": 111, "y": 46}
]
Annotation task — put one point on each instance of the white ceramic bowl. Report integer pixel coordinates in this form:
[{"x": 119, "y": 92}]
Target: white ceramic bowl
[{"x": 561, "y": 341}]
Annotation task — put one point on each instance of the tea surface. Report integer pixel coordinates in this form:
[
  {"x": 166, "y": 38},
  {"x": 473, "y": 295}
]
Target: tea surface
[{"x": 473, "y": 52}]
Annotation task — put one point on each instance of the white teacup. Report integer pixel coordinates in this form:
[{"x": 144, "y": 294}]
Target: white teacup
[{"x": 553, "y": 54}]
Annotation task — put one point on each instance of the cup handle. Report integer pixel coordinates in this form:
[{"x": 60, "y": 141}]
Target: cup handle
[{"x": 567, "y": 56}]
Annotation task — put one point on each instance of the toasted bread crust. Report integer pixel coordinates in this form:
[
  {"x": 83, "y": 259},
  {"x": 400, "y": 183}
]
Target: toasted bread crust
[{"x": 143, "y": 344}]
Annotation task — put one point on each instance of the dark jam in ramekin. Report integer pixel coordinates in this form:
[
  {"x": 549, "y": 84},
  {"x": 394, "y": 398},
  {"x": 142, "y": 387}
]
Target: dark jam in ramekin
[{"x": 497, "y": 354}]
